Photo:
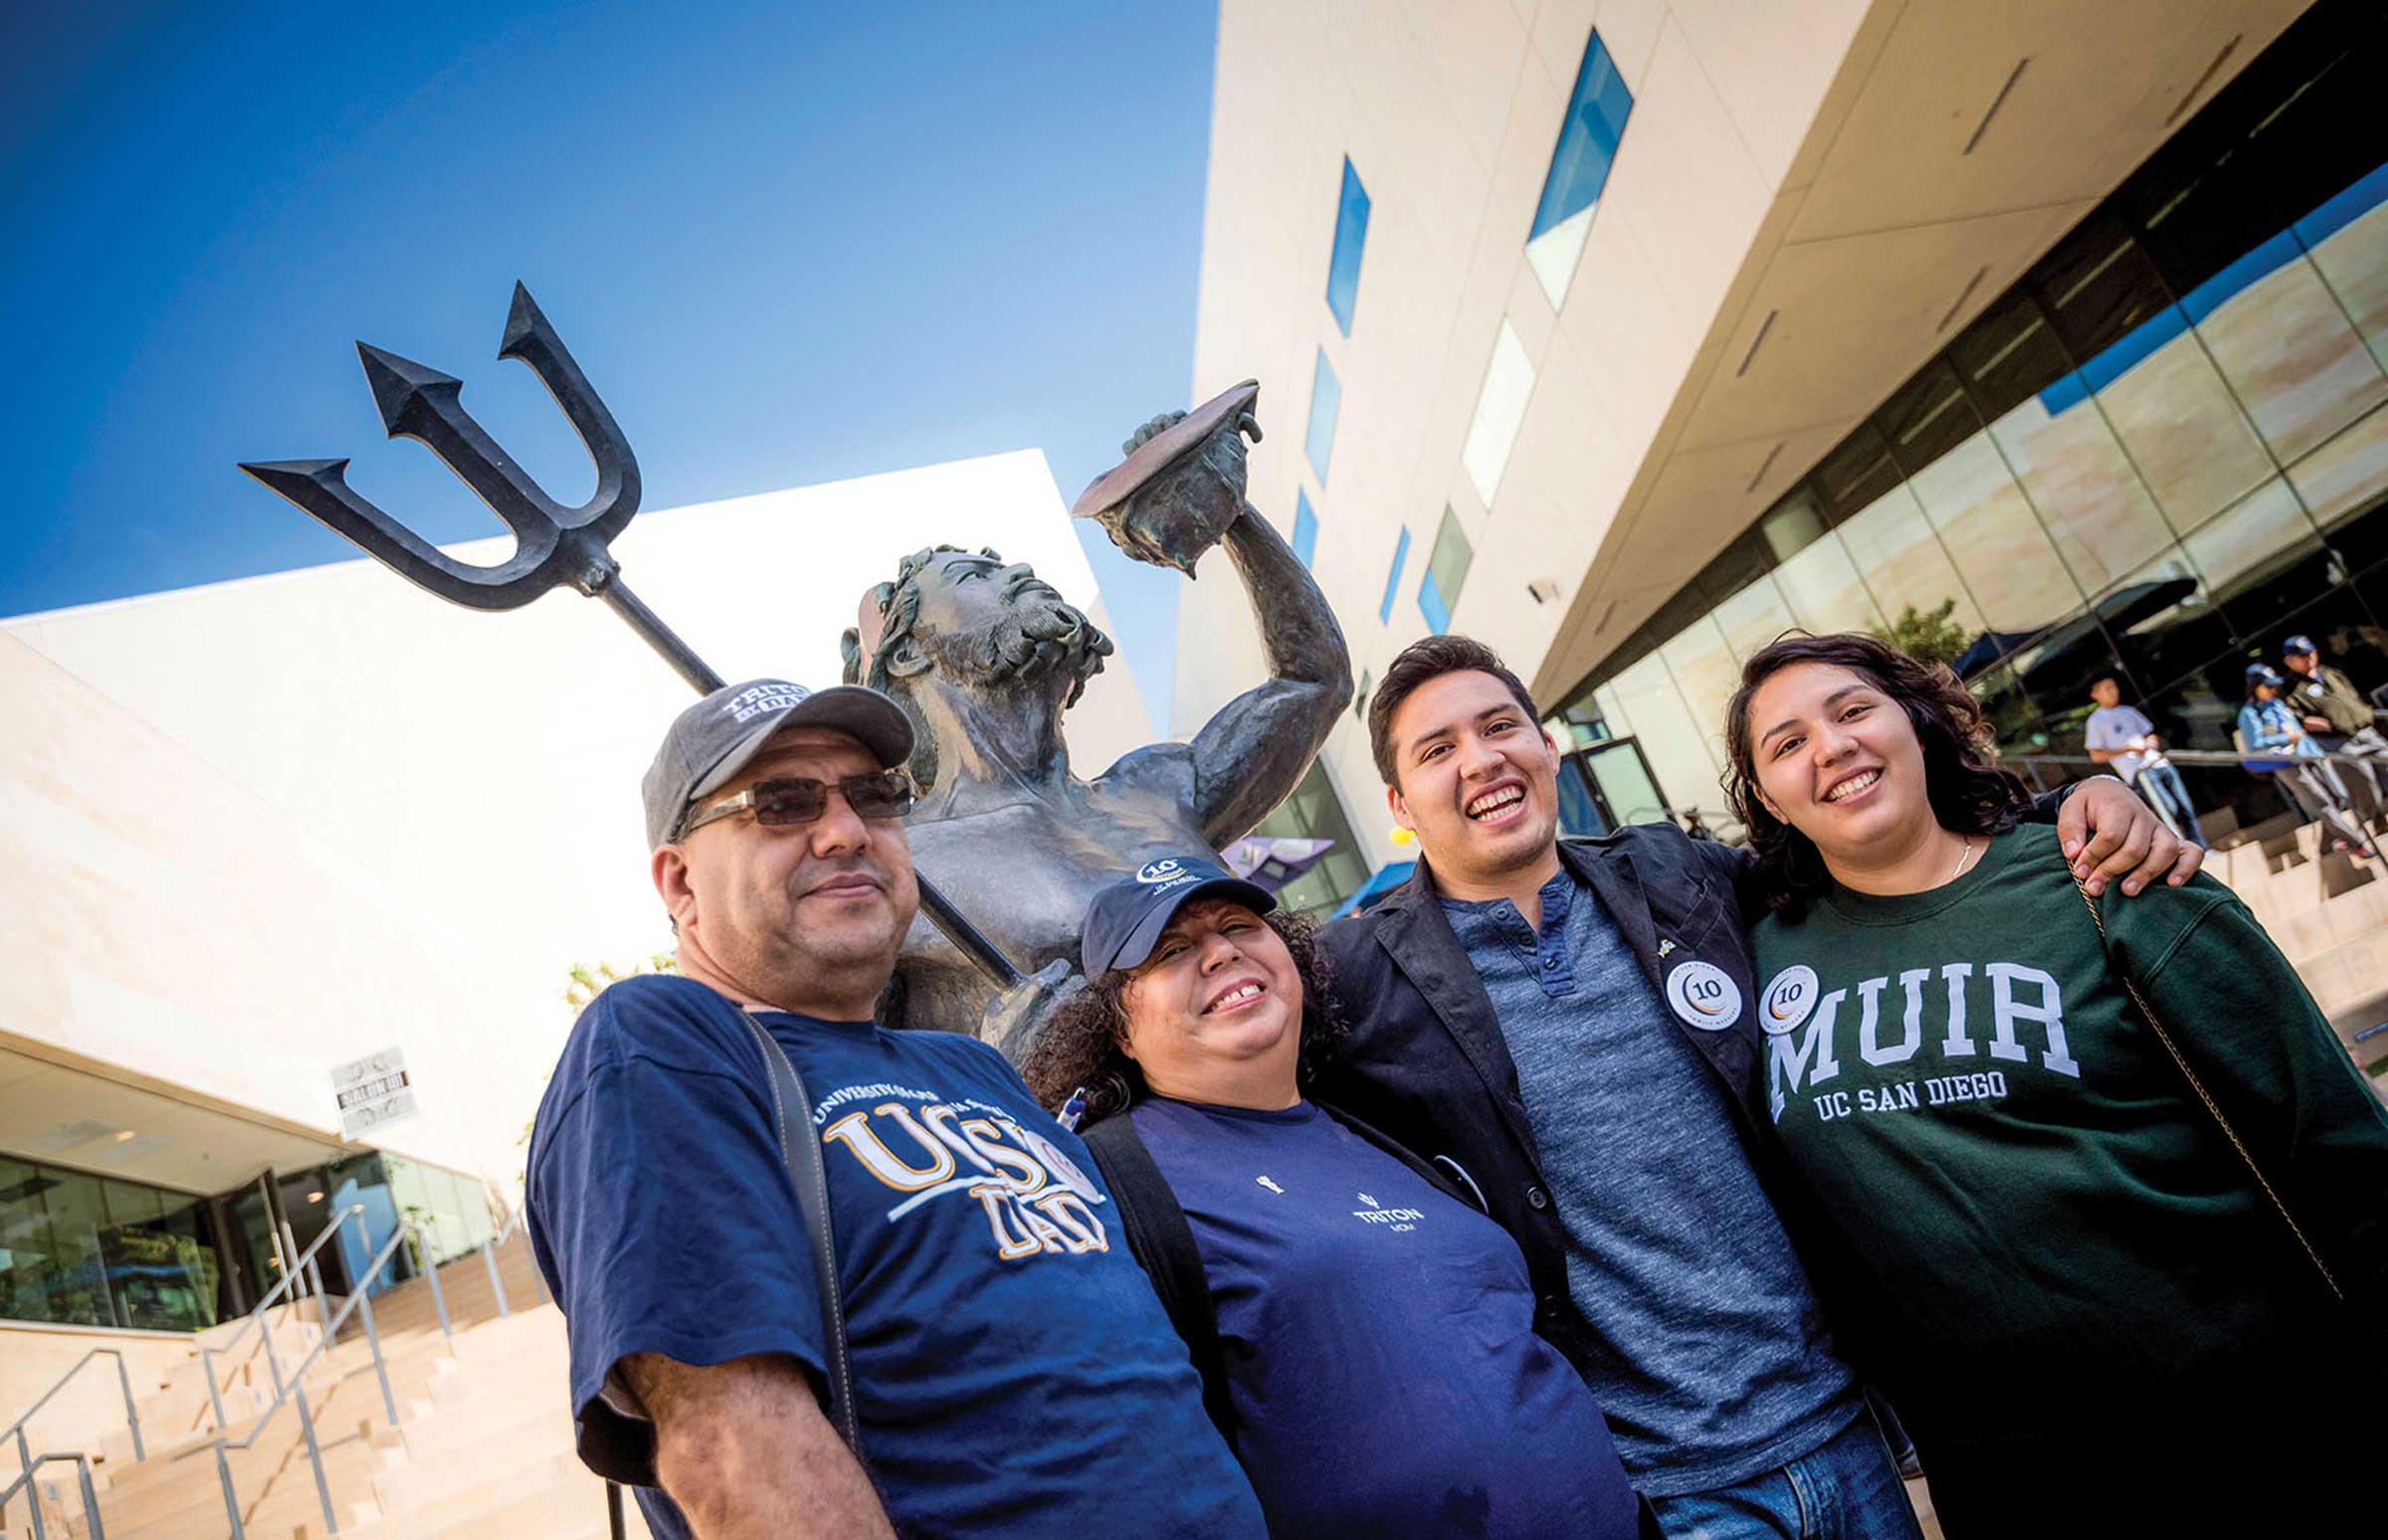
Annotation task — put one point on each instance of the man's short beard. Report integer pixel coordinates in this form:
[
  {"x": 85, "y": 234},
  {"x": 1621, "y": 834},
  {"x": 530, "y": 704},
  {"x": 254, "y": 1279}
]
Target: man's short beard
[{"x": 1030, "y": 643}]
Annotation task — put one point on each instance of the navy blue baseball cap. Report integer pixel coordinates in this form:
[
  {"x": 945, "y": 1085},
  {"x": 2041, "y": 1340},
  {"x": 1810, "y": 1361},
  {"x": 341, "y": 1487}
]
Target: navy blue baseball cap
[
  {"x": 2263, "y": 674},
  {"x": 2297, "y": 644},
  {"x": 1126, "y": 921}
]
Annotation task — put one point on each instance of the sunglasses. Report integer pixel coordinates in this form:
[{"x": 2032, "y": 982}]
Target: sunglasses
[{"x": 801, "y": 800}]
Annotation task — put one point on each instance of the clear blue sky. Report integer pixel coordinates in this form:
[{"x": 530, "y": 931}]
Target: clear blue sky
[{"x": 788, "y": 243}]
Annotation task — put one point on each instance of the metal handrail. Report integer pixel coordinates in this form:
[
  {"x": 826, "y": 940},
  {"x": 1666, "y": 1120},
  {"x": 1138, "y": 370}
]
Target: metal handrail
[
  {"x": 295, "y": 1388},
  {"x": 2222, "y": 757},
  {"x": 33, "y": 1499},
  {"x": 133, "y": 1420},
  {"x": 291, "y": 1276}
]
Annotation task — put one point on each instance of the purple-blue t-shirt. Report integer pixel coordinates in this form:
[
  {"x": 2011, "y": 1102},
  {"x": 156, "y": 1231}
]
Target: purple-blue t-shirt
[
  {"x": 1378, "y": 1340},
  {"x": 1013, "y": 1373}
]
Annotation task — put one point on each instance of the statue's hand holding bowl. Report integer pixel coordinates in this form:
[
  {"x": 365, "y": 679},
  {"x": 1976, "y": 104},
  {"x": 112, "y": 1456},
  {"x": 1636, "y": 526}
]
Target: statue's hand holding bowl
[{"x": 1168, "y": 516}]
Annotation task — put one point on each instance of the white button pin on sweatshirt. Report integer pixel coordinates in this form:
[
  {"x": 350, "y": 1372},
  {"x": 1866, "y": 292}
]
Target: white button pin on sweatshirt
[{"x": 1789, "y": 1000}]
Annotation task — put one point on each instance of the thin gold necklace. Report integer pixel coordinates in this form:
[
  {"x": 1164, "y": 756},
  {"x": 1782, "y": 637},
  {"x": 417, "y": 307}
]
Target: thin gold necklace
[{"x": 1964, "y": 854}]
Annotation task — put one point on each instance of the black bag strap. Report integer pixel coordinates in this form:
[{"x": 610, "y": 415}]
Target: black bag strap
[
  {"x": 802, "y": 1154},
  {"x": 1163, "y": 1243}
]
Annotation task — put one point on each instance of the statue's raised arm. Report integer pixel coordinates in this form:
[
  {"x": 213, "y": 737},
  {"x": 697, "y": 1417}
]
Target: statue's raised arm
[
  {"x": 1179, "y": 491},
  {"x": 986, "y": 659}
]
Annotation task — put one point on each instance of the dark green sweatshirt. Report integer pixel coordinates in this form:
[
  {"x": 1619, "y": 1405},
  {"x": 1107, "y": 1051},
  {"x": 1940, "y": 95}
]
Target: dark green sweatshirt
[{"x": 2042, "y": 1224}]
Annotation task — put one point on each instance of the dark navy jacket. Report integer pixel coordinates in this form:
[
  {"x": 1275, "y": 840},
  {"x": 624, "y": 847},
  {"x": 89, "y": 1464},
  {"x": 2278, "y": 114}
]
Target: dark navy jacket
[{"x": 1426, "y": 1063}]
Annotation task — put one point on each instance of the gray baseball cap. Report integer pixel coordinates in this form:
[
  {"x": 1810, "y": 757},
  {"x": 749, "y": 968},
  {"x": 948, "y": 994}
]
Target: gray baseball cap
[{"x": 712, "y": 741}]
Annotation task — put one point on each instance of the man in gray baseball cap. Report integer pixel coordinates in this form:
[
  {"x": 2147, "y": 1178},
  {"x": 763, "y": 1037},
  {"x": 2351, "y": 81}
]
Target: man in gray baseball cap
[
  {"x": 713, "y": 740},
  {"x": 987, "y": 1309}
]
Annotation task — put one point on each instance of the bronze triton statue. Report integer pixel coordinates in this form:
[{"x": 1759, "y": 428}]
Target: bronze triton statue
[
  {"x": 986, "y": 660},
  {"x": 984, "y": 656}
]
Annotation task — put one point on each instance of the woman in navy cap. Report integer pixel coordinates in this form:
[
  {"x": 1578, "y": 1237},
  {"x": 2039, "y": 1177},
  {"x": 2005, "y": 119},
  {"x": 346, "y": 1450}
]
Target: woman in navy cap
[
  {"x": 2309, "y": 778},
  {"x": 1365, "y": 1335}
]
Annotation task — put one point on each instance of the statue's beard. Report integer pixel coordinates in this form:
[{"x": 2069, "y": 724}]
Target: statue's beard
[{"x": 1033, "y": 641}]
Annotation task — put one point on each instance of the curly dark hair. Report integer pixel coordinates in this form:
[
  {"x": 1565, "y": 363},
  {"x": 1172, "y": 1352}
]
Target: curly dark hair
[
  {"x": 1969, "y": 793},
  {"x": 1084, "y": 1042}
]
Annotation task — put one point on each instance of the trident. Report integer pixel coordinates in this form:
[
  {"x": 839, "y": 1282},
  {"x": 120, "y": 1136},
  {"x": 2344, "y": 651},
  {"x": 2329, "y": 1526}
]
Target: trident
[{"x": 555, "y": 546}]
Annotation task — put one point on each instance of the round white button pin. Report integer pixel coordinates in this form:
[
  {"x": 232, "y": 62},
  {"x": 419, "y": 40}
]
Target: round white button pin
[
  {"x": 1789, "y": 1000},
  {"x": 1704, "y": 994}
]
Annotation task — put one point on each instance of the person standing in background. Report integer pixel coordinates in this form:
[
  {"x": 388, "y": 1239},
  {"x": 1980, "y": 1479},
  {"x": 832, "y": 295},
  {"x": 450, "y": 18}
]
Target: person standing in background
[{"x": 2121, "y": 738}]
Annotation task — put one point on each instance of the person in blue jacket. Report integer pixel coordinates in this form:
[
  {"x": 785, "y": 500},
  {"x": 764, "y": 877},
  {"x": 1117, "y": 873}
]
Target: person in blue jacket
[{"x": 2306, "y": 776}]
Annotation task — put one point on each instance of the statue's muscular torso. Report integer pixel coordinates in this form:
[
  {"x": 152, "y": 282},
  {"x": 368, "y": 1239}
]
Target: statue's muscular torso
[{"x": 1025, "y": 871}]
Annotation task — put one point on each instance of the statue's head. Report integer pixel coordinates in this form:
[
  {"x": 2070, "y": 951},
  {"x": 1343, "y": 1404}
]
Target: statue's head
[{"x": 975, "y": 623}]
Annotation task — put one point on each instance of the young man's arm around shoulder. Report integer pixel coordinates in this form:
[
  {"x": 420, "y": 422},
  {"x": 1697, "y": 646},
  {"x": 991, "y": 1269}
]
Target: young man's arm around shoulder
[{"x": 744, "y": 1448}]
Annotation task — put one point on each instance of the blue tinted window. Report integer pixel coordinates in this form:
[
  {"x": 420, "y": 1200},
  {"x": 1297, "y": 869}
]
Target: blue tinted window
[
  {"x": 1306, "y": 526},
  {"x": 1579, "y": 165},
  {"x": 1351, "y": 233},
  {"x": 1401, "y": 553},
  {"x": 1431, "y": 605},
  {"x": 1326, "y": 400}
]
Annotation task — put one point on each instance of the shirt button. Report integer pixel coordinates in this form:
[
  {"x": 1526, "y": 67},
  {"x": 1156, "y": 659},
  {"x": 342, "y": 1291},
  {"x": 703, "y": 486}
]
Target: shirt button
[
  {"x": 1535, "y": 1198},
  {"x": 1550, "y": 962},
  {"x": 1550, "y": 1304}
]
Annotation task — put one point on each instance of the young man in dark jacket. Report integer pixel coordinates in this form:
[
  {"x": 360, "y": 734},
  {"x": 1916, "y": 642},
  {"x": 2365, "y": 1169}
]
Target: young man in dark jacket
[{"x": 1573, "y": 1025}]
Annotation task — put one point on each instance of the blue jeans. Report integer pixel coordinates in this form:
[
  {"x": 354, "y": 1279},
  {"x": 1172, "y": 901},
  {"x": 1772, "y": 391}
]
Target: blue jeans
[
  {"x": 1845, "y": 1490},
  {"x": 2161, "y": 786}
]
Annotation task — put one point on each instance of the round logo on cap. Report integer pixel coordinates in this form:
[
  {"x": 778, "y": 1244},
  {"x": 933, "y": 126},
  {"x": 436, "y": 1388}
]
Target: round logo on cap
[
  {"x": 1789, "y": 1000},
  {"x": 1704, "y": 994},
  {"x": 1159, "y": 871}
]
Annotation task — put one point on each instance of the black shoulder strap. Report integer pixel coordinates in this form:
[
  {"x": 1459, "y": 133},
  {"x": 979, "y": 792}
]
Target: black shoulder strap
[
  {"x": 1162, "y": 1242},
  {"x": 802, "y": 1153}
]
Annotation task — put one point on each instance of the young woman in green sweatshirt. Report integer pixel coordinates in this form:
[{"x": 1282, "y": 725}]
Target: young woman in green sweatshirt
[{"x": 2097, "y": 1307}]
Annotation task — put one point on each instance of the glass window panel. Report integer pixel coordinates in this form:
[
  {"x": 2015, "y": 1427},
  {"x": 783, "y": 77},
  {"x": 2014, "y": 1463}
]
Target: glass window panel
[
  {"x": 1991, "y": 532},
  {"x": 2352, "y": 256},
  {"x": 1855, "y": 475},
  {"x": 2164, "y": 620},
  {"x": 1305, "y": 527},
  {"x": 1449, "y": 563},
  {"x": 1315, "y": 812},
  {"x": 1499, "y": 412},
  {"x": 1705, "y": 675},
  {"x": 1351, "y": 235},
  {"x": 193, "y": 1297},
  {"x": 1902, "y": 560},
  {"x": 27, "y": 1256},
  {"x": 2091, "y": 500},
  {"x": 1327, "y": 403},
  {"x": 1926, "y": 418},
  {"x": 2346, "y": 473},
  {"x": 1675, "y": 744},
  {"x": 1792, "y": 525},
  {"x": 2016, "y": 724},
  {"x": 1431, "y": 605},
  {"x": 1822, "y": 587},
  {"x": 1625, "y": 783},
  {"x": 1751, "y": 619},
  {"x": 2009, "y": 354},
  {"x": 1579, "y": 168},
  {"x": 1614, "y": 721},
  {"x": 2104, "y": 297},
  {"x": 2250, "y": 556},
  {"x": 1401, "y": 555},
  {"x": 77, "y": 1287},
  {"x": 2288, "y": 350},
  {"x": 2184, "y": 432}
]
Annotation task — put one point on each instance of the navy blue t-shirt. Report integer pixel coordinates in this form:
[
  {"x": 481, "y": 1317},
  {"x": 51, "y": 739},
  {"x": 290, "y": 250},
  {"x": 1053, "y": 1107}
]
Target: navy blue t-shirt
[
  {"x": 1013, "y": 1373},
  {"x": 1378, "y": 1339}
]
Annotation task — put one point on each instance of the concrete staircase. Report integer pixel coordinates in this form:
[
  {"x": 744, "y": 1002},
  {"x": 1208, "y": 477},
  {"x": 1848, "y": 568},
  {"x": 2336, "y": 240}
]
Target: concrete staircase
[
  {"x": 2329, "y": 913},
  {"x": 482, "y": 1447}
]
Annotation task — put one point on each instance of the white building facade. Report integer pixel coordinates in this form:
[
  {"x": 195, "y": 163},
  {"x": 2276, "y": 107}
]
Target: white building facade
[
  {"x": 1625, "y": 334},
  {"x": 261, "y": 827}
]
